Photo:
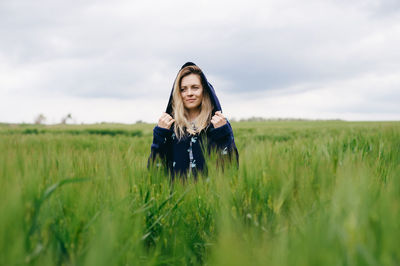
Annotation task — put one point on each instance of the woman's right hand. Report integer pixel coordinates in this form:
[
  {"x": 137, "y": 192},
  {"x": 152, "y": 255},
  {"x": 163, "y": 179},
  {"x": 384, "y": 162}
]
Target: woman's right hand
[{"x": 165, "y": 121}]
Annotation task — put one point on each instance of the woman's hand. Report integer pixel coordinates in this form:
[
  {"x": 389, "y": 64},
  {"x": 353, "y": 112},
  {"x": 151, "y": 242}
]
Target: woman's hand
[
  {"x": 165, "y": 121},
  {"x": 218, "y": 120}
]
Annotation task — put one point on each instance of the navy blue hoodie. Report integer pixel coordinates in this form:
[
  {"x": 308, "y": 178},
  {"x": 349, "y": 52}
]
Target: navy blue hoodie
[{"x": 185, "y": 156}]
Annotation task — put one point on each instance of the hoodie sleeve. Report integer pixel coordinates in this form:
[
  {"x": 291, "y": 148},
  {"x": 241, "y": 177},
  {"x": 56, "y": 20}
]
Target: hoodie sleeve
[
  {"x": 161, "y": 144},
  {"x": 222, "y": 140}
]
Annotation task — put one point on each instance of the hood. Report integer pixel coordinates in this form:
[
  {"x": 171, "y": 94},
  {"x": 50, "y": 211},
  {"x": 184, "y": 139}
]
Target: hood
[{"x": 209, "y": 88}]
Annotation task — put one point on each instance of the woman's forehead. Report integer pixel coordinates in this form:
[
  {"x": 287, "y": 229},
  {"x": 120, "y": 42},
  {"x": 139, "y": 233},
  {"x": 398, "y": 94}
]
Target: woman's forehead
[{"x": 190, "y": 80}]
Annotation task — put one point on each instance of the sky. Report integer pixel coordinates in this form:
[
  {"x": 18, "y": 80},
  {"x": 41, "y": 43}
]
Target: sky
[{"x": 116, "y": 61}]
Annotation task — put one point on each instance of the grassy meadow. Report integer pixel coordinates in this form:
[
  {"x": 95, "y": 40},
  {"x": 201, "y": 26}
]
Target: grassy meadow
[{"x": 305, "y": 193}]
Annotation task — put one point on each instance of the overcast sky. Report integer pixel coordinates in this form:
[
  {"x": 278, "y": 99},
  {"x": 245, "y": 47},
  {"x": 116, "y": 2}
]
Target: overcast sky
[{"x": 115, "y": 61}]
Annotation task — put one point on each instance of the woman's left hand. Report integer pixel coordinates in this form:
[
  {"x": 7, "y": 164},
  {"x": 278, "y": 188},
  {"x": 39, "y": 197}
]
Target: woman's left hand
[{"x": 218, "y": 120}]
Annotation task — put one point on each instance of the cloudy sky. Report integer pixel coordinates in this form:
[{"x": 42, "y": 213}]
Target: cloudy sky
[{"x": 115, "y": 61}]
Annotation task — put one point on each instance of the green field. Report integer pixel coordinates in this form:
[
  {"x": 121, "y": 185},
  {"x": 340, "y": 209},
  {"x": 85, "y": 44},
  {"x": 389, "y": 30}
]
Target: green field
[{"x": 305, "y": 193}]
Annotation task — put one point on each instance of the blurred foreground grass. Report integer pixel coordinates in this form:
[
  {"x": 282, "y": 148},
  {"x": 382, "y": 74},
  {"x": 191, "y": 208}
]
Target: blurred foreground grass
[{"x": 306, "y": 193}]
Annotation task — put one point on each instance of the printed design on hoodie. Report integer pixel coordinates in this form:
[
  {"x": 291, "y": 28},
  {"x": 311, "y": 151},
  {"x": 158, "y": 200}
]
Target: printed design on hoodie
[{"x": 191, "y": 160}]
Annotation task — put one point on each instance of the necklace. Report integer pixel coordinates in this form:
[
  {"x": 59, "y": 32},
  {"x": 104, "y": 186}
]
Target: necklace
[{"x": 193, "y": 126}]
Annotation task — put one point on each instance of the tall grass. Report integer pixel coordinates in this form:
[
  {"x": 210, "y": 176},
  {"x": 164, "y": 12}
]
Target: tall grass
[{"x": 305, "y": 193}]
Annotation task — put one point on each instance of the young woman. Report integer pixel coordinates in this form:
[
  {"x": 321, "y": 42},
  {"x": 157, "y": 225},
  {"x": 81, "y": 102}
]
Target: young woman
[{"x": 193, "y": 120}]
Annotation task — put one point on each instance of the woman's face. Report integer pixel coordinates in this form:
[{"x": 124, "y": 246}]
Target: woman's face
[{"x": 191, "y": 91}]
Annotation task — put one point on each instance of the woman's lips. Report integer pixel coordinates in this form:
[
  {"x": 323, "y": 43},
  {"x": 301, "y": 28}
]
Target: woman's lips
[{"x": 191, "y": 100}]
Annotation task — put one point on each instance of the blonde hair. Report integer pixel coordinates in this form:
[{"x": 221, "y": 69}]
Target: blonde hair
[{"x": 180, "y": 114}]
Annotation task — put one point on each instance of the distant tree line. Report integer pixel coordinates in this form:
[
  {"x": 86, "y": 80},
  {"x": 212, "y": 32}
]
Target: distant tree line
[
  {"x": 263, "y": 119},
  {"x": 41, "y": 119}
]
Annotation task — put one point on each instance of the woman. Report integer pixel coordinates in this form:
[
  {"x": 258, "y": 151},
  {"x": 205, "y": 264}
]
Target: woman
[{"x": 193, "y": 120}]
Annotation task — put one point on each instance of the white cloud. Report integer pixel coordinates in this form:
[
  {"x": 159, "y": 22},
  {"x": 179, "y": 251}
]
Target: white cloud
[
  {"x": 368, "y": 97},
  {"x": 289, "y": 55}
]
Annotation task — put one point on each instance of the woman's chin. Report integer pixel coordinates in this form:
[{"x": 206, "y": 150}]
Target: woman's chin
[{"x": 191, "y": 107}]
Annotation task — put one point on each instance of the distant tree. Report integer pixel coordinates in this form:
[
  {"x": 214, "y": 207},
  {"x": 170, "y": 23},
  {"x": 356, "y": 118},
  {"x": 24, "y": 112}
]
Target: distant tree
[
  {"x": 65, "y": 119},
  {"x": 40, "y": 119},
  {"x": 253, "y": 119}
]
